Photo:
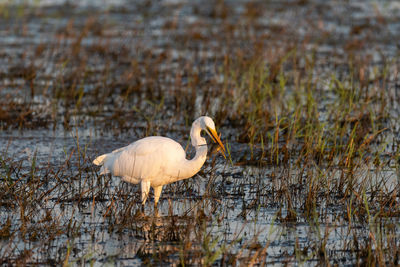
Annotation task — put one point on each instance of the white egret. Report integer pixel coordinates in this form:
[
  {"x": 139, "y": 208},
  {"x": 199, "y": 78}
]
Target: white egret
[{"x": 156, "y": 161}]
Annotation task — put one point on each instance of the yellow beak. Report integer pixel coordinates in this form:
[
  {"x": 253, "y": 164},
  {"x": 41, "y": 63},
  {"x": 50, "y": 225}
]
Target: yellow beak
[{"x": 214, "y": 136}]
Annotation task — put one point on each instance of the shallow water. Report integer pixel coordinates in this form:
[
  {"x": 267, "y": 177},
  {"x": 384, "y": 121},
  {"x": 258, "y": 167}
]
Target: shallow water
[{"x": 235, "y": 201}]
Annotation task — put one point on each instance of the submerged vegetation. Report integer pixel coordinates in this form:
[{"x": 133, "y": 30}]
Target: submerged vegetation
[{"x": 305, "y": 93}]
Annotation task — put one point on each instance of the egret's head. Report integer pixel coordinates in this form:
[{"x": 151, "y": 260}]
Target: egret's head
[{"x": 207, "y": 124}]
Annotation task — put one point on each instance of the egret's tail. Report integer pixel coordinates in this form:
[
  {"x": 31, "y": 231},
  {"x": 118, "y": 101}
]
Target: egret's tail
[{"x": 100, "y": 159}]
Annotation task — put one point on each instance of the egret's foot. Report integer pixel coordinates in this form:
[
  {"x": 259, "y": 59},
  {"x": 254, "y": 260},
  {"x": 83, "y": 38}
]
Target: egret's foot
[
  {"x": 156, "y": 214},
  {"x": 140, "y": 213}
]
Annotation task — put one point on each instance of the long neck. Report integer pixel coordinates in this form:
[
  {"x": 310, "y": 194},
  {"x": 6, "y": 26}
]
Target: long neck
[{"x": 191, "y": 167}]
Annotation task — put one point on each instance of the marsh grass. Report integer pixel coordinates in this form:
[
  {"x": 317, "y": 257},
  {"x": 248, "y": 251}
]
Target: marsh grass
[{"x": 310, "y": 122}]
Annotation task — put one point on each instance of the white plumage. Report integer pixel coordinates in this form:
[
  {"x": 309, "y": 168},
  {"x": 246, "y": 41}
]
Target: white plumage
[{"x": 156, "y": 161}]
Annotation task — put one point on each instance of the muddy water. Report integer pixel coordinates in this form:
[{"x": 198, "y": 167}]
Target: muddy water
[
  {"x": 67, "y": 68},
  {"x": 237, "y": 202}
]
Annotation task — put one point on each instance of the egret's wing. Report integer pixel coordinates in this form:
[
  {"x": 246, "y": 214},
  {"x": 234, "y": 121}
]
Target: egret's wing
[
  {"x": 154, "y": 145},
  {"x": 137, "y": 148},
  {"x": 119, "y": 149},
  {"x": 140, "y": 148},
  {"x": 147, "y": 159},
  {"x": 144, "y": 158}
]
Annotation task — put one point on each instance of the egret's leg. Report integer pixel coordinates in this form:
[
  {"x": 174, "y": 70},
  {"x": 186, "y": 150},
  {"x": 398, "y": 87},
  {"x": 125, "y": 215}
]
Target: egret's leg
[
  {"x": 157, "y": 193},
  {"x": 145, "y": 190}
]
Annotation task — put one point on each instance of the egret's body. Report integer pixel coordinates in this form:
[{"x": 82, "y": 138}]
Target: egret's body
[{"x": 156, "y": 161}]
